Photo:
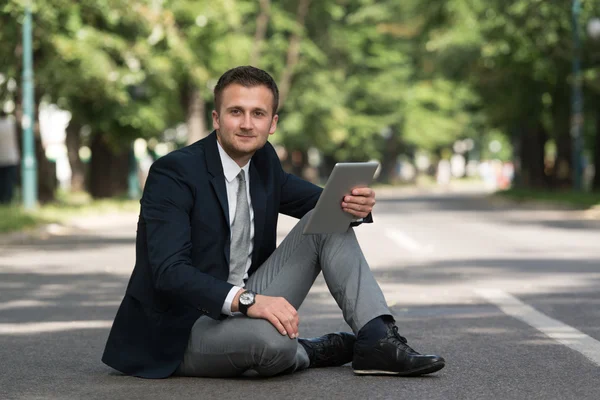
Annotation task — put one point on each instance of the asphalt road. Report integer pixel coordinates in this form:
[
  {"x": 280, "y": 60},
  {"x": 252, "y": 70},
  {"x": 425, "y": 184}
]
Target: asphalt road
[{"x": 509, "y": 296}]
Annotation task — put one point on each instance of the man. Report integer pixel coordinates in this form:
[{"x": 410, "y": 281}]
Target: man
[
  {"x": 211, "y": 296},
  {"x": 9, "y": 157}
]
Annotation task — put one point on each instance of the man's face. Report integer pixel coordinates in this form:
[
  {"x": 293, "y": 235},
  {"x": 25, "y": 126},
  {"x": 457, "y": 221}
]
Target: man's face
[{"x": 244, "y": 120}]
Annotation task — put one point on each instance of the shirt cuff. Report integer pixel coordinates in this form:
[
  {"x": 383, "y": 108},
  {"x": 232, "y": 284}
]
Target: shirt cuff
[{"x": 226, "y": 309}]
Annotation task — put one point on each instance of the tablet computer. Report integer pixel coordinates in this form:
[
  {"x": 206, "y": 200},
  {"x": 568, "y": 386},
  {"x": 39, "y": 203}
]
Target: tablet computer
[{"x": 328, "y": 216}]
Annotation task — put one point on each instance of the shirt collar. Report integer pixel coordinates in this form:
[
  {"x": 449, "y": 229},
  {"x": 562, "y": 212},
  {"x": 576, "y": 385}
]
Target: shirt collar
[{"x": 230, "y": 167}]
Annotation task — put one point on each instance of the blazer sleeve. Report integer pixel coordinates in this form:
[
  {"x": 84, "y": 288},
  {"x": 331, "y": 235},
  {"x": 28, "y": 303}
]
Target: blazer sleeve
[
  {"x": 297, "y": 195},
  {"x": 165, "y": 207}
]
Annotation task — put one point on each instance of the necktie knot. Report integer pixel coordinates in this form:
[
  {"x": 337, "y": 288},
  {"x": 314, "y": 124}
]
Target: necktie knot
[{"x": 241, "y": 176}]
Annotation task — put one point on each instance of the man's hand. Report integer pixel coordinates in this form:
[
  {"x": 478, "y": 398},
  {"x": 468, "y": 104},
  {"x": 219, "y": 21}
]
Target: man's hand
[
  {"x": 277, "y": 310},
  {"x": 360, "y": 203}
]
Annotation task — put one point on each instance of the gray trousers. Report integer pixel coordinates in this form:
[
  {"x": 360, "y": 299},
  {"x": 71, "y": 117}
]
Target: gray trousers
[{"x": 238, "y": 344}]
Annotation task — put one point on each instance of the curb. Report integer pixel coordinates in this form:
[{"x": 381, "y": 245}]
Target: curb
[
  {"x": 41, "y": 232},
  {"x": 592, "y": 213}
]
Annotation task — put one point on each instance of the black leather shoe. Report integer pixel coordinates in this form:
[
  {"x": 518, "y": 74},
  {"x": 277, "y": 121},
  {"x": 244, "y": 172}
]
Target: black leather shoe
[
  {"x": 393, "y": 356},
  {"x": 331, "y": 350}
]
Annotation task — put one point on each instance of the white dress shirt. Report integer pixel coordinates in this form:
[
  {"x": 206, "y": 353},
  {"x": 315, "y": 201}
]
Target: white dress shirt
[{"x": 231, "y": 170}]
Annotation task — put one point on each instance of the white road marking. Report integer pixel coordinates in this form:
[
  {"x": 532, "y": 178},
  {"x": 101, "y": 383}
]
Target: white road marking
[
  {"x": 407, "y": 242},
  {"x": 562, "y": 333},
  {"x": 9, "y": 305},
  {"x": 55, "y": 326}
]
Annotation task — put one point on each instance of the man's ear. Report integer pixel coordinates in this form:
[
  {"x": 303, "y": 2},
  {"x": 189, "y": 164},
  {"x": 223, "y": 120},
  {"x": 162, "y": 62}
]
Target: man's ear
[
  {"x": 273, "y": 124},
  {"x": 215, "y": 119}
]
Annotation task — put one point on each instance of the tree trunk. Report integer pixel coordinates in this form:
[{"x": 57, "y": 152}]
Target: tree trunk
[
  {"x": 108, "y": 170},
  {"x": 46, "y": 169},
  {"x": 530, "y": 163},
  {"x": 293, "y": 52},
  {"x": 46, "y": 174},
  {"x": 73, "y": 142},
  {"x": 326, "y": 166},
  {"x": 596, "y": 181},
  {"x": 262, "y": 22},
  {"x": 195, "y": 107},
  {"x": 390, "y": 157},
  {"x": 562, "y": 176},
  {"x": 299, "y": 162},
  {"x": 561, "y": 173}
]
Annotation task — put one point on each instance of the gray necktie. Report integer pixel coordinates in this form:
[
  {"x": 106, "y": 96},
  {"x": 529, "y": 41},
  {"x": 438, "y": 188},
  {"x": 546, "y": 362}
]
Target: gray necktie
[{"x": 240, "y": 235}]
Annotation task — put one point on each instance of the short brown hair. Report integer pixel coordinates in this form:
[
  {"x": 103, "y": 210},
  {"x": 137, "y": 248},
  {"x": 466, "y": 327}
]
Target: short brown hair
[{"x": 246, "y": 76}]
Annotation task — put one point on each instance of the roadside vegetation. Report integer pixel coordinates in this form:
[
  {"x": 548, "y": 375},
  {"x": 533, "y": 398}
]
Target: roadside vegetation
[
  {"x": 563, "y": 198},
  {"x": 67, "y": 205}
]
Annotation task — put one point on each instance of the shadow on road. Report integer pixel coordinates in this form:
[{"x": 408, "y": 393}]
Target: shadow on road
[
  {"x": 36, "y": 297},
  {"x": 62, "y": 243}
]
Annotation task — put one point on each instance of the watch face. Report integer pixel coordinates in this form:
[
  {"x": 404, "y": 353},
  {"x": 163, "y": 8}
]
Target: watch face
[{"x": 247, "y": 298}]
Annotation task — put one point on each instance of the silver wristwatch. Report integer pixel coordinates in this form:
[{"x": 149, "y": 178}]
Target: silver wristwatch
[{"x": 247, "y": 299}]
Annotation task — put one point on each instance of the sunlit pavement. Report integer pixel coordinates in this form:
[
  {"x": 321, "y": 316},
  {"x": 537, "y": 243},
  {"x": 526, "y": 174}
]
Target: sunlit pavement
[{"x": 510, "y": 297}]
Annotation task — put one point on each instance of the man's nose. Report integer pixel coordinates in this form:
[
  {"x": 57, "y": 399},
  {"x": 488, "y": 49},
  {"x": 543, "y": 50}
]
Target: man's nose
[{"x": 246, "y": 122}]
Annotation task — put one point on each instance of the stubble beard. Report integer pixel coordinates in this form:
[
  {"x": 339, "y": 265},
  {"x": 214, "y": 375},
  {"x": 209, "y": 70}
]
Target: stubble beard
[{"x": 234, "y": 148}]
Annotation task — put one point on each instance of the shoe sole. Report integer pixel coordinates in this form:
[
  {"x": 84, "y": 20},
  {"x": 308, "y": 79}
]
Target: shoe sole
[{"x": 416, "y": 372}]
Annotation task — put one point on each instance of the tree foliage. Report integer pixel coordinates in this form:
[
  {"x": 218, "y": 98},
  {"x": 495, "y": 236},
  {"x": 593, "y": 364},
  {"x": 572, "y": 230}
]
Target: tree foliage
[{"x": 360, "y": 79}]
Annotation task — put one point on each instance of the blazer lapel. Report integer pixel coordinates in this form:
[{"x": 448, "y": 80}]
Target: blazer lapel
[
  {"x": 215, "y": 169},
  {"x": 217, "y": 180},
  {"x": 259, "y": 205}
]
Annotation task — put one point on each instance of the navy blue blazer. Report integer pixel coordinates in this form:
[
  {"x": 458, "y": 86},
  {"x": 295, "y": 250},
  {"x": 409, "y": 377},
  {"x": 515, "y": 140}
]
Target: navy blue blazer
[{"x": 182, "y": 251}]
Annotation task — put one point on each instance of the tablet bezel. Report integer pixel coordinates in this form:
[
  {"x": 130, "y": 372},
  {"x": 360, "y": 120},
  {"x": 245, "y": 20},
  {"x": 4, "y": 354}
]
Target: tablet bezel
[{"x": 328, "y": 216}]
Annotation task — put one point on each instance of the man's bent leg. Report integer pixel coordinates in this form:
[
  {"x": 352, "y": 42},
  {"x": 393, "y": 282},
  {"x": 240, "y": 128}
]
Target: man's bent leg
[
  {"x": 228, "y": 348},
  {"x": 295, "y": 264}
]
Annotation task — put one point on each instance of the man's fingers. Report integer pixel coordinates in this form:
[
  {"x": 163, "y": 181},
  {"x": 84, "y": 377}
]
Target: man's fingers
[
  {"x": 293, "y": 316},
  {"x": 357, "y": 214},
  {"x": 277, "y": 324},
  {"x": 365, "y": 201},
  {"x": 279, "y": 312},
  {"x": 289, "y": 324},
  {"x": 356, "y": 209},
  {"x": 355, "y": 200},
  {"x": 360, "y": 202},
  {"x": 364, "y": 191},
  {"x": 292, "y": 310}
]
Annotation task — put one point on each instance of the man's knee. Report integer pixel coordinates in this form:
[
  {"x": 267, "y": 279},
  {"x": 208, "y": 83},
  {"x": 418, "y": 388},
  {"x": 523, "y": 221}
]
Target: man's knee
[
  {"x": 273, "y": 352},
  {"x": 304, "y": 220}
]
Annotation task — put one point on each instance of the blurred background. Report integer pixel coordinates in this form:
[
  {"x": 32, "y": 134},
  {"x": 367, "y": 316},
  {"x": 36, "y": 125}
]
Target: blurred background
[
  {"x": 500, "y": 92},
  {"x": 483, "y": 114}
]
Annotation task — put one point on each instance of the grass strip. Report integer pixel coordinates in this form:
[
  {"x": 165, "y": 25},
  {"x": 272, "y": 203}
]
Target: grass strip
[
  {"x": 567, "y": 197},
  {"x": 14, "y": 218}
]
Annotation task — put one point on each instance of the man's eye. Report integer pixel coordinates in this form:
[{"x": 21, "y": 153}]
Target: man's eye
[
  {"x": 235, "y": 111},
  {"x": 259, "y": 113}
]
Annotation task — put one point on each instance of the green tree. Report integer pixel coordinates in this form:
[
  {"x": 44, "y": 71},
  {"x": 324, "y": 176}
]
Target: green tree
[{"x": 517, "y": 56}]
